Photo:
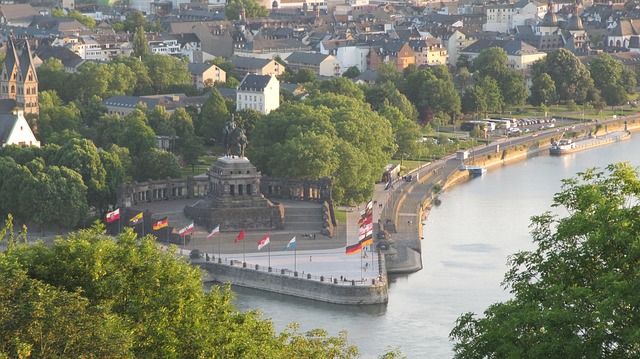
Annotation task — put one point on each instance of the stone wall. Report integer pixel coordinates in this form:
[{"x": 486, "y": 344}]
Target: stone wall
[
  {"x": 134, "y": 193},
  {"x": 330, "y": 290},
  {"x": 238, "y": 218}
]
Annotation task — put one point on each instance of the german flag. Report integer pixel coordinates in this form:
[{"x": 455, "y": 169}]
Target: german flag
[
  {"x": 366, "y": 241},
  {"x": 161, "y": 224},
  {"x": 355, "y": 248}
]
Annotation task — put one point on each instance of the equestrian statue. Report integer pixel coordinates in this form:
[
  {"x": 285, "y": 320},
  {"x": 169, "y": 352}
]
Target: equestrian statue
[{"x": 234, "y": 138}]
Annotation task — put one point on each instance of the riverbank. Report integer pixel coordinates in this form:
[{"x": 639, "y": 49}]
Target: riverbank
[{"x": 416, "y": 198}]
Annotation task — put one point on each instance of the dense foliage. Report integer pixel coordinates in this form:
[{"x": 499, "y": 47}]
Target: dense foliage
[
  {"x": 91, "y": 296},
  {"x": 328, "y": 134},
  {"x": 575, "y": 295}
]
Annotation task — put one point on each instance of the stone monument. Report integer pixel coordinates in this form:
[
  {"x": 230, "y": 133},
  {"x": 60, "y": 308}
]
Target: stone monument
[{"x": 233, "y": 197}]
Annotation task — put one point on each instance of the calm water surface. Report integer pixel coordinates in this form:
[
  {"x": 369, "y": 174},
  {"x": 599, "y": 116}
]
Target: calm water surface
[{"x": 468, "y": 239}]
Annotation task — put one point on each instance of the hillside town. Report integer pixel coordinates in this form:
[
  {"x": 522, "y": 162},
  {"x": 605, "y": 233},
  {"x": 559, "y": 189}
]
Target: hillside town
[{"x": 328, "y": 38}]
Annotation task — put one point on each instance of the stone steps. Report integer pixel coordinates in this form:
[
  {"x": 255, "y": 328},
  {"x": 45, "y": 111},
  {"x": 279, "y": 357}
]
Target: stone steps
[{"x": 303, "y": 218}]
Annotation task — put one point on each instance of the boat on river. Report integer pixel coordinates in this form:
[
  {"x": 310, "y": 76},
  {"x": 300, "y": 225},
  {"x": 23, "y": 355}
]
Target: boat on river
[
  {"x": 565, "y": 146},
  {"x": 473, "y": 170}
]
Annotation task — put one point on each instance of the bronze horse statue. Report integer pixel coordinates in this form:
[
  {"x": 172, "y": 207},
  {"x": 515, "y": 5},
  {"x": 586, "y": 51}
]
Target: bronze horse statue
[{"x": 234, "y": 139}]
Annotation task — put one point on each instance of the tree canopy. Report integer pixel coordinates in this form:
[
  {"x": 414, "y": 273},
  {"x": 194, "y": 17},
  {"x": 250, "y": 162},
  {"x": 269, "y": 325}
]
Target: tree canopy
[
  {"x": 327, "y": 135},
  {"x": 571, "y": 77},
  {"x": 91, "y": 296},
  {"x": 575, "y": 295}
]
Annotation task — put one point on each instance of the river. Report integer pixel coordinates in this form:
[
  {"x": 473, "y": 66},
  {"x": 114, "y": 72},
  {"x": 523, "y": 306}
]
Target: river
[{"x": 468, "y": 239}]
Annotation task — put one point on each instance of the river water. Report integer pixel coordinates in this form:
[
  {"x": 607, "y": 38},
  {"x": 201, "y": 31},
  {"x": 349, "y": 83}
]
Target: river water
[{"x": 468, "y": 239}]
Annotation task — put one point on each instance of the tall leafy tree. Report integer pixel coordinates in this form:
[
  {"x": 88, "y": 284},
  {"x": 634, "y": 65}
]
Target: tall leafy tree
[
  {"x": 82, "y": 156},
  {"x": 490, "y": 62},
  {"x": 328, "y": 135},
  {"x": 571, "y": 77},
  {"x": 543, "y": 91},
  {"x": 136, "y": 135},
  {"x": 165, "y": 71},
  {"x": 157, "y": 164},
  {"x": 51, "y": 76},
  {"x": 140, "y": 43},
  {"x": 143, "y": 85},
  {"x": 575, "y": 293},
  {"x": 376, "y": 96},
  {"x": 213, "y": 116},
  {"x": 613, "y": 79}
]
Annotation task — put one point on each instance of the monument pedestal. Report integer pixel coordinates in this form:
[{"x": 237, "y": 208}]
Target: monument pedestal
[{"x": 234, "y": 201}]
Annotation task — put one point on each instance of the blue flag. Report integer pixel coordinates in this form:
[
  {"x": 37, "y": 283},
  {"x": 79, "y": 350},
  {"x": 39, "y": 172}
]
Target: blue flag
[{"x": 292, "y": 244}]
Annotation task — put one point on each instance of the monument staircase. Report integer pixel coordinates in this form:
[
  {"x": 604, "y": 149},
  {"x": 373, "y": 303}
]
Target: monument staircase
[{"x": 303, "y": 216}]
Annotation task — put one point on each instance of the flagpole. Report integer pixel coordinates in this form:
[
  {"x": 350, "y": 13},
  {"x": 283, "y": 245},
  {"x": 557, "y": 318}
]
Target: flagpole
[
  {"x": 295, "y": 252},
  {"x": 361, "y": 275},
  {"x": 269, "y": 254},
  {"x": 182, "y": 249},
  {"x": 243, "y": 251},
  {"x": 119, "y": 222},
  {"x": 219, "y": 240}
]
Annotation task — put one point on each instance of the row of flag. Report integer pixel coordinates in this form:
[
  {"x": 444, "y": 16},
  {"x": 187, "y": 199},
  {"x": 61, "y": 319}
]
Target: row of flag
[
  {"x": 190, "y": 228},
  {"x": 365, "y": 230}
]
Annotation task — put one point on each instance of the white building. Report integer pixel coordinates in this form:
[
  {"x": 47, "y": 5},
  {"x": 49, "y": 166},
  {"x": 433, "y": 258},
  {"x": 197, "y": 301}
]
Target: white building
[
  {"x": 14, "y": 130},
  {"x": 258, "y": 92}
]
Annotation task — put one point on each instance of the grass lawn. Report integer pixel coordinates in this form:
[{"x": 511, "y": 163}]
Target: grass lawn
[{"x": 341, "y": 215}]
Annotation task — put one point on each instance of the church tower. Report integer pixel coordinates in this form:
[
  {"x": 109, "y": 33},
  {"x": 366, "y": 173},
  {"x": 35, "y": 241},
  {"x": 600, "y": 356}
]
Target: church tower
[{"x": 19, "y": 80}]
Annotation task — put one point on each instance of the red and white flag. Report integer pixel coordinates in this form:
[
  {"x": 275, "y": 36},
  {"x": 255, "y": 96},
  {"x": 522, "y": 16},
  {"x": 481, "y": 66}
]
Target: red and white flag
[
  {"x": 214, "y": 232},
  {"x": 264, "y": 241},
  {"x": 239, "y": 237},
  {"x": 113, "y": 216},
  {"x": 187, "y": 230}
]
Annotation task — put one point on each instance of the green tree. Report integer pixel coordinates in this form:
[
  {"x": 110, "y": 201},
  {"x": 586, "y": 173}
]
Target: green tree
[
  {"x": 144, "y": 85},
  {"x": 351, "y": 73},
  {"x": 512, "y": 87},
  {"x": 165, "y": 70},
  {"x": 123, "y": 81},
  {"x": 320, "y": 138},
  {"x": 543, "y": 91},
  {"x": 92, "y": 80},
  {"x": 134, "y": 19},
  {"x": 612, "y": 78},
  {"x": 160, "y": 121},
  {"x": 190, "y": 148},
  {"x": 252, "y": 9},
  {"x": 339, "y": 86},
  {"x": 305, "y": 76},
  {"x": 227, "y": 66},
  {"x": 247, "y": 119},
  {"x": 116, "y": 175},
  {"x": 574, "y": 294},
  {"x": 54, "y": 119},
  {"x": 212, "y": 117},
  {"x": 82, "y": 156},
  {"x": 157, "y": 164},
  {"x": 51, "y": 76},
  {"x": 181, "y": 123},
  {"x": 406, "y": 132},
  {"x": 491, "y": 92},
  {"x": 136, "y": 135},
  {"x": 431, "y": 91},
  {"x": 388, "y": 72},
  {"x": 570, "y": 75},
  {"x": 376, "y": 96},
  {"x": 87, "y": 21},
  {"x": 140, "y": 44},
  {"x": 88, "y": 295},
  {"x": 490, "y": 62}
]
